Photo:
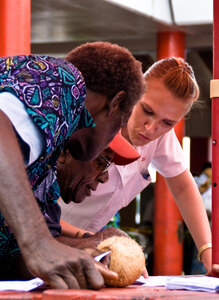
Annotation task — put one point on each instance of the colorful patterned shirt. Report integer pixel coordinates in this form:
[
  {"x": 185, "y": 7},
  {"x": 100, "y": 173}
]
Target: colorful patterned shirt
[{"x": 53, "y": 92}]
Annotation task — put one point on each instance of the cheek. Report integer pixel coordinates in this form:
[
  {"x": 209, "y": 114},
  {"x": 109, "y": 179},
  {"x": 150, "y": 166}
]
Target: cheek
[
  {"x": 136, "y": 120},
  {"x": 132, "y": 119},
  {"x": 162, "y": 129},
  {"x": 91, "y": 174}
]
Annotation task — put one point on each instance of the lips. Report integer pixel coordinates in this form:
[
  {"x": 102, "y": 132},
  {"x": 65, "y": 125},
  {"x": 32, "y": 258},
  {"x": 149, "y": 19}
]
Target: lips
[
  {"x": 93, "y": 186},
  {"x": 87, "y": 190},
  {"x": 144, "y": 137}
]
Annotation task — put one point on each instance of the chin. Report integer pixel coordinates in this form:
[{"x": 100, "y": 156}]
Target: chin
[
  {"x": 136, "y": 142},
  {"x": 66, "y": 202},
  {"x": 87, "y": 153},
  {"x": 79, "y": 198},
  {"x": 143, "y": 143},
  {"x": 87, "y": 148},
  {"x": 140, "y": 141},
  {"x": 68, "y": 197}
]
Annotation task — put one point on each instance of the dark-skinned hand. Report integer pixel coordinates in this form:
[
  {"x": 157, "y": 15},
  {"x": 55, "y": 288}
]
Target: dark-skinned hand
[{"x": 64, "y": 267}]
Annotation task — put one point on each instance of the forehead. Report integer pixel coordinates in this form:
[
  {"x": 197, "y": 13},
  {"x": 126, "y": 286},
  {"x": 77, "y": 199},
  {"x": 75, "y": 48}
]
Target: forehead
[
  {"x": 163, "y": 102},
  {"x": 108, "y": 153},
  {"x": 105, "y": 157}
]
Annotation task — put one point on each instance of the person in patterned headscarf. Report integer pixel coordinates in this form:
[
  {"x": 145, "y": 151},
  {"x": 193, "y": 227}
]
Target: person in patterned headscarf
[{"x": 42, "y": 109}]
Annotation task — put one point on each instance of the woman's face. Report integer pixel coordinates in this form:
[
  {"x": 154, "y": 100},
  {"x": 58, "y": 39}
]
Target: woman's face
[{"x": 157, "y": 112}]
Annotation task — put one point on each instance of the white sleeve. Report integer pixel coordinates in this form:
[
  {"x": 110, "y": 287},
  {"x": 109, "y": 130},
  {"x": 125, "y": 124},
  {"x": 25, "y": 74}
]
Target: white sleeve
[
  {"x": 24, "y": 125},
  {"x": 169, "y": 159}
]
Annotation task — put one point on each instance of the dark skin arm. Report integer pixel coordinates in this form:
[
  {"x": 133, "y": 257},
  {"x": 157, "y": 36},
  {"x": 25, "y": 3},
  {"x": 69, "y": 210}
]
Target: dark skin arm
[
  {"x": 58, "y": 265},
  {"x": 93, "y": 240},
  {"x": 72, "y": 231},
  {"x": 90, "y": 243}
]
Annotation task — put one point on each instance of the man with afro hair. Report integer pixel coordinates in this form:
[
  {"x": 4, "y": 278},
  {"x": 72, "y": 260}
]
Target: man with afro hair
[
  {"x": 47, "y": 103},
  {"x": 114, "y": 79}
]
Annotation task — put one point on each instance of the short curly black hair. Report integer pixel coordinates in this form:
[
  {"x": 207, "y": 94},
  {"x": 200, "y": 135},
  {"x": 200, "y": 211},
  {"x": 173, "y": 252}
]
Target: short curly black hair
[{"x": 109, "y": 68}]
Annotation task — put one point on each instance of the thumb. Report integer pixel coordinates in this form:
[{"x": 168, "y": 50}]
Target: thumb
[{"x": 105, "y": 272}]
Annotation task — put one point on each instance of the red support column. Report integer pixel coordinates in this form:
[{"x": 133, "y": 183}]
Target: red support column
[
  {"x": 15, "y": 28},
  {"x": 215, "y": 140},
  {"x": 168, "y": 246}
]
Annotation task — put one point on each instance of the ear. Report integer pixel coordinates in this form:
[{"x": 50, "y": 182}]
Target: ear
[{"x": 115, "y": 102}]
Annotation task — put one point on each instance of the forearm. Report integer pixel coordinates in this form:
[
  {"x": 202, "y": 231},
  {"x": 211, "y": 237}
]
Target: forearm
[
  {"x": 93, "y": 240},
  {"x": 195, "y": 217},
  {"x": 190, "y": 203},
  {"x": 69, "y": 230},
  {"x": 82, "y": 243},
  {"x": 18, "y": 204}
]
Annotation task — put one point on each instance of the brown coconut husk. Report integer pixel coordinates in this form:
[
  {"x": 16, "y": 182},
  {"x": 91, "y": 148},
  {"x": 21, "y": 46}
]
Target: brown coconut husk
[{"x": 126, "y": 259}]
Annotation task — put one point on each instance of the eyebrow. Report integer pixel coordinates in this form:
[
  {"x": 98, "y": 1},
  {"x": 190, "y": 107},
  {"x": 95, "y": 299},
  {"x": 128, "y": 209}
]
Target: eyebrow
[
  {"x": 166, "y": 120},
  {"x": 105, "y": 159}
]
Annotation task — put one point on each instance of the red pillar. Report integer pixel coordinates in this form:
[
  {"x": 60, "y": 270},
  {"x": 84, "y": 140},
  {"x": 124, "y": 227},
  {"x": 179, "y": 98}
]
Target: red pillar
[
  {"x": 215, "y": 139},
  {"x": 168, "y": 246},
  {"x": 15, "y": 16}
]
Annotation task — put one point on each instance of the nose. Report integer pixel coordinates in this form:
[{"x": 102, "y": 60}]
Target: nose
[
  {"x": 103, "y": 177},
  {"x": 151, "y": 125}
]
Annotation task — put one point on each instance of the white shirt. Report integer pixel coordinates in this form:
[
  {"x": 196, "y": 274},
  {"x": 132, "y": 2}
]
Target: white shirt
[
  {"x": 125, "y": 182},
  {"x": 24, "y": 125}
]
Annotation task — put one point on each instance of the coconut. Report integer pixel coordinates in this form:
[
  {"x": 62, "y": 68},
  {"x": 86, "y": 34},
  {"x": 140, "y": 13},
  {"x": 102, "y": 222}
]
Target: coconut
[{"x": 126, "y": 259}]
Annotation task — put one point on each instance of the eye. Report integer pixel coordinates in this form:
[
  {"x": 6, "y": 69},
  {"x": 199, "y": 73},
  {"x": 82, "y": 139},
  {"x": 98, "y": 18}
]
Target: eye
[
  {"x": 99, "y": 162},
  {"x": 167, "y": 123},
  {"x": 147, "y": 110}
]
